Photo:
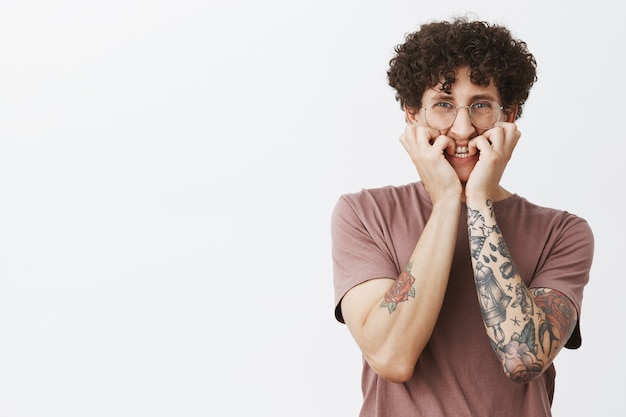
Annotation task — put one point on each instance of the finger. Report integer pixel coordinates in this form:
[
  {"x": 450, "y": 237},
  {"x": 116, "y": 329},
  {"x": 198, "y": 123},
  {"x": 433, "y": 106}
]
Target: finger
[
  {"x": 509, "y": 132},
  {"x": 424, "y": 135},
  {"x": 444, "y": 143},
  {"x": 412, "y": 139},
  {"x": 408, "y": 136},
  {"x": 495, "y": 136},
  {"x": 481, "y": 143}
]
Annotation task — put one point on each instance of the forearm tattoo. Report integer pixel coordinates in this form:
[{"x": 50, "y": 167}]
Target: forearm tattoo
[
  {"x": 521, "y": 330},
  {"x": 400, "y": 291}
]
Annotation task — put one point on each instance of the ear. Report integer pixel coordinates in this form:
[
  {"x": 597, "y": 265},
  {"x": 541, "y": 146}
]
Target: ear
[
  {"x": 511, "y": 113},
  {"x": 410, "y": 114}
]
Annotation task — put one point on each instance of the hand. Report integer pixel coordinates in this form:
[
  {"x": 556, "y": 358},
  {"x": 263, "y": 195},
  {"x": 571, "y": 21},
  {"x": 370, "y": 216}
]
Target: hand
[
  {"x": 426, "y": 147},
  {"x": 496, "y": 146}
]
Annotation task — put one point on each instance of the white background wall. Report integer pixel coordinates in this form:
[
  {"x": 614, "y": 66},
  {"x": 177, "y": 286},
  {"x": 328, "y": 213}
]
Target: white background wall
[{"x": 167, "y": 173}]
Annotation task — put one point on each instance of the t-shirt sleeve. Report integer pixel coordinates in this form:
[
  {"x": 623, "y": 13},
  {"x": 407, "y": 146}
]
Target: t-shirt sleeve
[
  {"x": 567, "y": 265},
  {"x": 359, "y": 252}
]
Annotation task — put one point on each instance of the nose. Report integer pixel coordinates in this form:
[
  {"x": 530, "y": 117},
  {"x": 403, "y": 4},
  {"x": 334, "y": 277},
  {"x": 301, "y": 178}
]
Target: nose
[{"x": 462, "y": 128}]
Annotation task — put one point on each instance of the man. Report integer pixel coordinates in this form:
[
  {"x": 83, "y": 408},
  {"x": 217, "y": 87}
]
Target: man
[{"x": 459, "y": 293}]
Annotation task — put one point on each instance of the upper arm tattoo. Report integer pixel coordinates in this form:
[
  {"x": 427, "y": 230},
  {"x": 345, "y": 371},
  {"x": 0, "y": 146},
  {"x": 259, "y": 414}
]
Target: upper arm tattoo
[{"x": 559, "y": 321}]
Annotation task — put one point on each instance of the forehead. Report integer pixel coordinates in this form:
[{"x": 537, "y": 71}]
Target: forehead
[{"x": 462, "y": 91}]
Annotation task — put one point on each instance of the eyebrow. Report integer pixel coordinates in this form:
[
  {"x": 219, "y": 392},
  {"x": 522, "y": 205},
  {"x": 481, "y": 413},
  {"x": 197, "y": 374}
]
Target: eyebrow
[{"x": 449, "y": 97}]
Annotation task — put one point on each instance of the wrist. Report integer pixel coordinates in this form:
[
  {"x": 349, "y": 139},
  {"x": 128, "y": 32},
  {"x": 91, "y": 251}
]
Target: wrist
[
  {"x": 481, "y": 197},
  {"x": 449, "y": 204},
  {"x": 477, "y": 200}
]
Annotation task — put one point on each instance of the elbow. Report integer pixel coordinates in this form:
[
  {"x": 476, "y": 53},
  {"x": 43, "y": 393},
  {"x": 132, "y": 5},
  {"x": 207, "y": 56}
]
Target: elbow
[
  {"x": 395, "y": 374},
  {"x": 524, "y": 374},
  {"x": 396, "y": 370},
  {"x": 523, "y": 379},
  {"x": 398, "y": 376},
  {"x": 520, "y": 364}
]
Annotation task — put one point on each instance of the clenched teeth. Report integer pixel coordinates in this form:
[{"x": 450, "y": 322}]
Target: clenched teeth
[{"x": 461, "y": 152}]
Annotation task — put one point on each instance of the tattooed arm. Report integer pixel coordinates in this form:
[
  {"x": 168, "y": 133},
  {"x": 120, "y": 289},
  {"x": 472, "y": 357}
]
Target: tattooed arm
[
  {"x": 527, "y": 328},
  {"x": 392, "y": 319}
]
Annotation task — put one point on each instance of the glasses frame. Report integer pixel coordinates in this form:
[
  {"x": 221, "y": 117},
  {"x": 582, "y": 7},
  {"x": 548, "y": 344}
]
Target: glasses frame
[{"x": 498, "y": 106}]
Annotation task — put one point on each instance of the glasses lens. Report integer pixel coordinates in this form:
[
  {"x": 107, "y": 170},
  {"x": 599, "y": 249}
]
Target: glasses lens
[
  {"x": 440, "y": 115},
  {"x": 484, "y": 114}
]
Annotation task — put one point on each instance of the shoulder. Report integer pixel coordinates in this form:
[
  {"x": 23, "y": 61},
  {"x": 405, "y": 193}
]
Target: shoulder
[
  {"x": 383, "y": 197},
  {"x": 531, "y": 216},
  {"x": 380, "y": 214}
]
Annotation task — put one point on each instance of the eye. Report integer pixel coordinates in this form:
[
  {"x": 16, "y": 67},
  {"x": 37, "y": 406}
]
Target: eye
[
  {"x": 443, "y": 105},
  {"x": 481, "y": 105}
]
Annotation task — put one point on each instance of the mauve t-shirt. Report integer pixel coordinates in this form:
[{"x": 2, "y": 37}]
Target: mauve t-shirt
[{"x": 374, "y": 233}]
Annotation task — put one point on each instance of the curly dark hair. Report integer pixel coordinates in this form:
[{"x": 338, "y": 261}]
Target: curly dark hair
[{"x": 431, "y": 55}]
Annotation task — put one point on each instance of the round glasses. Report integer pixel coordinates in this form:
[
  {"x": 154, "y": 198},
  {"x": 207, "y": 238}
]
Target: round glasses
[{"x": 483, "y": 114}]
